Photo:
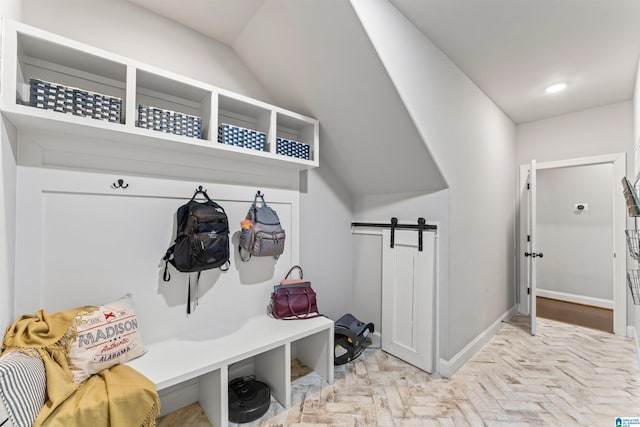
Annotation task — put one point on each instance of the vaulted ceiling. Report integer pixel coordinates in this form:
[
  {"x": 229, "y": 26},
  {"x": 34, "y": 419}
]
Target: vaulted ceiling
[
  {"x": 511, "y": 49},
  {"x": 313, "y": 56}
]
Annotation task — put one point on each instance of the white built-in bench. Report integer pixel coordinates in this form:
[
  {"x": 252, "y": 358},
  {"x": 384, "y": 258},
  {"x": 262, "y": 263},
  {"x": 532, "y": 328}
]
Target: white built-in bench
[{"x": 207, "y": 355}]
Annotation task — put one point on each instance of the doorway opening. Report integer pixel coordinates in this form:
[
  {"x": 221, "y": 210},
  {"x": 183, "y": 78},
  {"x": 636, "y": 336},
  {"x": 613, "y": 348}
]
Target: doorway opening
[{"x": 578, "y": 223}]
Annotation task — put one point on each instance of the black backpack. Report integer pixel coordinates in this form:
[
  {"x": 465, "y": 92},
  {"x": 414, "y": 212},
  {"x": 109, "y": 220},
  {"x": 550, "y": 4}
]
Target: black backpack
[{"x": 202, "y": 239}]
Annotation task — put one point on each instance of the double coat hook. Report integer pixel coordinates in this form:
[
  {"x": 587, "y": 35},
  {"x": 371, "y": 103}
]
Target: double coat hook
[{"x": 120, "y": 184}]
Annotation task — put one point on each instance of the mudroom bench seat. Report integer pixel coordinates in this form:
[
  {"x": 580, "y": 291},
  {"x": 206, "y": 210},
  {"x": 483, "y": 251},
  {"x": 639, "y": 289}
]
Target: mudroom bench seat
[{"x": 206, "y": 356}]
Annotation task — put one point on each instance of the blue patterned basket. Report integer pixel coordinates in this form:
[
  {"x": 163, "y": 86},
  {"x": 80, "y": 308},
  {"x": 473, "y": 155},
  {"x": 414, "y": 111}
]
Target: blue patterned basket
[
  {"x": 242, "y": 137},
  {"x": 169, "y": 121},
  {"x": 291, "y": 148},
  {"x": 71, "y": 100}
]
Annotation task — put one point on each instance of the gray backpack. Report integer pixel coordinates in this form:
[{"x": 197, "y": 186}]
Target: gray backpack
[{"x": 262, "y": 234}]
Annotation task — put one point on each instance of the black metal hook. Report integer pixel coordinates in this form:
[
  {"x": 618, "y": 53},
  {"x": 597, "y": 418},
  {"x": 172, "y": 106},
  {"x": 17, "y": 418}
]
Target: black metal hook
[
  {"x": 120, "y": 184},
  {"x": 202, "y": 191}
]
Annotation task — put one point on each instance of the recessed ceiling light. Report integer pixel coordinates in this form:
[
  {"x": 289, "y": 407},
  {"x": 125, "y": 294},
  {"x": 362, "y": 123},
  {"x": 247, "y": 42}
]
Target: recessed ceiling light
[{"x": 557, "y": 87}]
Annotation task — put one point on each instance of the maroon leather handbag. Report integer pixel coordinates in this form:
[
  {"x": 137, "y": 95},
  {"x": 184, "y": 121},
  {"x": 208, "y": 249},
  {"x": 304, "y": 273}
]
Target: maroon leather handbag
[{"x": 294, "y": 298}]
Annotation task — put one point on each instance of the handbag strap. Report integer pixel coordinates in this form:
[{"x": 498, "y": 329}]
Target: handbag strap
[
  {"x": 300, "y": 316},
  {"x": 291, "y": 271}
]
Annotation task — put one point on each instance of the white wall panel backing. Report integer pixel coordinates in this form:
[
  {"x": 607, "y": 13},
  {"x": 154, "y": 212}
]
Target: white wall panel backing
[
  {"x": 8, "y": 174},
  {"x": 82, "y": 242}
]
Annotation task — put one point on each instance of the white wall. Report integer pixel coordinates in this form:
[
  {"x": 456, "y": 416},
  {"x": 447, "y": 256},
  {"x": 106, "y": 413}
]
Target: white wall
[
  {"x": 473, "y": 143},
  {"x": 596, "y": 131},
  {"x": 634, "y": 312},
  {"x": 8, "y": 176},
  {"x": 636, "y": 125},
  {"x": 602, "y": 130},
  {"x": 326, "y": 247},
  {"x": 10, "y": 9},
  {"x": 577, "y": 245}
]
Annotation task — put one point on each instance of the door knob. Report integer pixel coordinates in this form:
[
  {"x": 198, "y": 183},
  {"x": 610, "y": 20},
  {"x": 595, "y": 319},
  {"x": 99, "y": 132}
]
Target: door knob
[{"x": 533, "y": 254}]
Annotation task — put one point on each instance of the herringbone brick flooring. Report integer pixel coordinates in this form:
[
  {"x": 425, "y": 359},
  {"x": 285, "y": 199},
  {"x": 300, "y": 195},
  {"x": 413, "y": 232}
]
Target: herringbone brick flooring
[{"x": 564, "y": 376}]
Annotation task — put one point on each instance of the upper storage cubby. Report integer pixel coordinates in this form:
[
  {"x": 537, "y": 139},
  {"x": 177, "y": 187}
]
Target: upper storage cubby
[
  {"x": 243, "y": 123},
  {"x": 171, "y": 106},
  {"x": 62, "y": 86},
  {"x": 63, "y": 79},
  {"x": 296, "y": 136}
]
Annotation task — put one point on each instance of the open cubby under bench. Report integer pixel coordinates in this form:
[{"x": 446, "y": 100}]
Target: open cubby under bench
[{"x": 207, "y": 355}]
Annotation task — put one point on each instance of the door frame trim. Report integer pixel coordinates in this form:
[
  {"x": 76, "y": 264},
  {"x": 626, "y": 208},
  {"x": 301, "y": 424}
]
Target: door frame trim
[{"x": 618, "y": 161}]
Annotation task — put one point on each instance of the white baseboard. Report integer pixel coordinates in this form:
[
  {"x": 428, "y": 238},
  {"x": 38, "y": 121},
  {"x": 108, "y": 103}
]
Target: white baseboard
[
  {"x": 632, "y": 333},
  {"x": 376, "y": 340},
  {"x": 449, "y": 367},
  {"x": 578, "y": 299}
]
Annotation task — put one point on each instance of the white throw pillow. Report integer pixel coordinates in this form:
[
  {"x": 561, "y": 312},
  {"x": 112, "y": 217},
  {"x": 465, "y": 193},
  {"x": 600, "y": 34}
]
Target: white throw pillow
[
  {"x": 106, "y": 337},
  {"x": 22, "y": 389}
]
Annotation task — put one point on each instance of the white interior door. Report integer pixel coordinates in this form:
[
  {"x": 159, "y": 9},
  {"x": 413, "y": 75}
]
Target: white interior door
[
  {"x": 532, "y": 254},
  {"x": 407, "y": 297}
]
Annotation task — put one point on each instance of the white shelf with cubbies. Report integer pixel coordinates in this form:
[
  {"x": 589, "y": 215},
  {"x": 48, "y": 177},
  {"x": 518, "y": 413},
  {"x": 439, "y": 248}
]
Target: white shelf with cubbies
[{"x": 55, "y": 84}]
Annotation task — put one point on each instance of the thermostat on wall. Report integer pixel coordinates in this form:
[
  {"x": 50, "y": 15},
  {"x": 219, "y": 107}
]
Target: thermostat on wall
[{"x": 580, "y": 207}]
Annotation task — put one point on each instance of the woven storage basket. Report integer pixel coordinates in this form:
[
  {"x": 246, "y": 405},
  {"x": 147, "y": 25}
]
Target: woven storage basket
[
  {"x": 73, "y": 100},
  {"x": 242, "y": 137},
  {"x": 169, "y": 121},
  {"x": 287, "y": 147}
]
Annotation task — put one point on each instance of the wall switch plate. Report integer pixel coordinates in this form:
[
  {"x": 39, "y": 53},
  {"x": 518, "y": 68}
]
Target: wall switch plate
[{"x": 580, "y": 207}]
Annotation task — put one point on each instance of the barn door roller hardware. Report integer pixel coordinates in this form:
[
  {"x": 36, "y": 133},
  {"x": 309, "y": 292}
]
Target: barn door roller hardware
[{"x": 421, "y": 226}]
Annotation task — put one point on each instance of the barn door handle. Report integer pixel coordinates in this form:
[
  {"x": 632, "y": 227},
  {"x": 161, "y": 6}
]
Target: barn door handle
[
  {"x": 394, "y": 224},
  {"x": 421, "y": 224}
]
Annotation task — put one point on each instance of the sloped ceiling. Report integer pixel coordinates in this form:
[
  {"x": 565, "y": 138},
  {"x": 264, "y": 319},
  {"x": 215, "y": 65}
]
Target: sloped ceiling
[
  {"x": 222, "y": 20},
  {"x": 513, "y": 49},
  {"x": 314, "y": 57}
]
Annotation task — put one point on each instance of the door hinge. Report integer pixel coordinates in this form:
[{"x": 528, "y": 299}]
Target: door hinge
[
  {"x": 528, "y": 186},
  {"x": 528, "y": 238},
  {"x": 528, "y": 291}
]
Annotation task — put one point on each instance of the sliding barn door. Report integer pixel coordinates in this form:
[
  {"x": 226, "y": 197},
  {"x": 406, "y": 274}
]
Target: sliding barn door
[{"x": 407, "y": 297}]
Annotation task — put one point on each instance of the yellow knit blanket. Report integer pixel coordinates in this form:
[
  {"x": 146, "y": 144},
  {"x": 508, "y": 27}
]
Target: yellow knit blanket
[{"x": 119, "y": 396}]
